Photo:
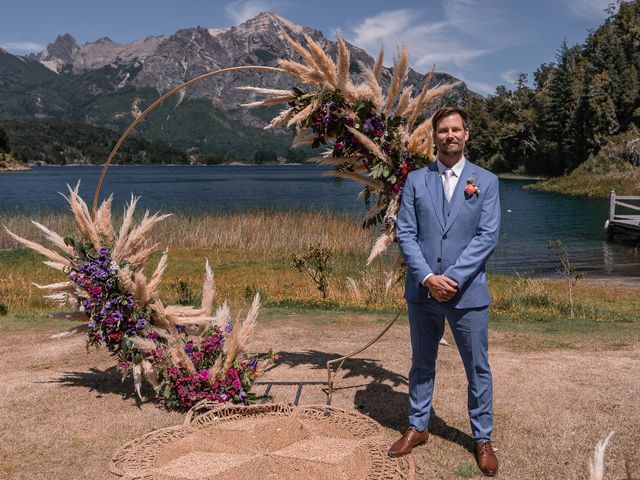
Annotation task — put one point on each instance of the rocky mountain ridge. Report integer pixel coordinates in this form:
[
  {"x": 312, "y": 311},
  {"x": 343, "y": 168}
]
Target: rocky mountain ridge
[
  {"x": 106, "y": 84},
  {"x": 162, "y": 62}
]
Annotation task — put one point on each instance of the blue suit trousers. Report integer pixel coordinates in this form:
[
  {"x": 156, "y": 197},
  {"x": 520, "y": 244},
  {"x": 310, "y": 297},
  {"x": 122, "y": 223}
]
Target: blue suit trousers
[{"x": 470, "y": 330}]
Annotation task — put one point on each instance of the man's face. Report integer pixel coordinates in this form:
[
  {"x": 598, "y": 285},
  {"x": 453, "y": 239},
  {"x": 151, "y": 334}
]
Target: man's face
[{"x": 450, "y": 136}]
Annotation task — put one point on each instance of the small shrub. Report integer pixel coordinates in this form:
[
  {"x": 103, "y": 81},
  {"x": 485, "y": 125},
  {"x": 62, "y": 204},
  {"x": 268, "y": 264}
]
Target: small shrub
[
  {"x": 250, "y": 292},
  {"x": 567, "y": 269},
  {"x": 316, "y": 263},
  {"x": 184, "y": 291},
  {"x": 3, "y": 309}
]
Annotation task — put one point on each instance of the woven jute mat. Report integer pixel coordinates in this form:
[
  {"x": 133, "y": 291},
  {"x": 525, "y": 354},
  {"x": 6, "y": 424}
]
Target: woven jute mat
[{"x": 275, "y": 441}]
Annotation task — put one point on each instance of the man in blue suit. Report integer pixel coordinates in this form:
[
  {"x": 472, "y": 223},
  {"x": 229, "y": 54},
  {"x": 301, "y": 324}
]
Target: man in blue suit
[{"x": 447, "y": 228}]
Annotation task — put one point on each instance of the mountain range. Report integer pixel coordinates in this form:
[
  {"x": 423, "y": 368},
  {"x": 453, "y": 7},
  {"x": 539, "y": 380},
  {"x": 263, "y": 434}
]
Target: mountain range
[{"x": 105, "y": 84}]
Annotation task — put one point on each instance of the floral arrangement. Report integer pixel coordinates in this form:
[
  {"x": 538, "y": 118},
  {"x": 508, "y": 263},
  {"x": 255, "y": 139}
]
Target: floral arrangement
[
  {"x": 372, "y": 137},
  {"x": 185, "y": 353},
  {"x": 471, "y": 189}
]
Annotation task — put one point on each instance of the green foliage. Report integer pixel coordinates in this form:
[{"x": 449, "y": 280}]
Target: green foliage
[
  {"x": 316, "y": 263},
  {"x": 183, "y": 291},
  {"x": 59, "y": 142},
  {"x": 5, "y": 147},
  {"x": 590, "y": 94},
  {"x": 3, "y": 309},
  {"x": 265, "y": 156}
]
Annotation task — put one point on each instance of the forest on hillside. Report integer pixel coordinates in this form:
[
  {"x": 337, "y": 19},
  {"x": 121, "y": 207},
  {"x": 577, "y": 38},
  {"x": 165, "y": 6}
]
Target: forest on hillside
[{"x": 584, "y": 105}]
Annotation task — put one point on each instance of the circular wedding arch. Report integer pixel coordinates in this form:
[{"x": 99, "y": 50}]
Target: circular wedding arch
[{"x": 338, "y": 361}]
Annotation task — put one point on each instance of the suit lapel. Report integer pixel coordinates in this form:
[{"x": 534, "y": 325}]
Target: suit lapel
[
  {"x": 434, "y": 187},
  {"x": 458, "y": 197}
]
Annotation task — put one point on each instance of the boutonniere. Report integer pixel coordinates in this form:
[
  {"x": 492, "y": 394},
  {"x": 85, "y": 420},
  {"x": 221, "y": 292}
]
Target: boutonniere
[{"x": 471, "y": 189}]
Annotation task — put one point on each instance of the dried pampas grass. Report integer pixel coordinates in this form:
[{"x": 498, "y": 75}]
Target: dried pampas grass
[
  {"x": 381, "y": 245},
  {"x": 344, "y": 61},
  {"x": 102, "y": 220},
  {"x": 372, "y": 184},
  {"x": 82, "y": 216},
  {"x": 241, "y": 333},
  {"x": 377, "y": 66},
  {"x": 596, "y": 462},
  {"x": 400, "y": 70}
]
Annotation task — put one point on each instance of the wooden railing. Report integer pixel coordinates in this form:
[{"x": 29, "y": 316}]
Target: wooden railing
[{"x": 624, "y": 223}]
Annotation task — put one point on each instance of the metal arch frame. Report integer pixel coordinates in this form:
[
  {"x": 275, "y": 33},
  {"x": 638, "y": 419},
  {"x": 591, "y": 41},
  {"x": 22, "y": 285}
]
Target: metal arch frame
[{"x": 340, "y": 361}]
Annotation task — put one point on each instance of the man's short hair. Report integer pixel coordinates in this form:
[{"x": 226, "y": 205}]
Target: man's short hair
[{"x": 445, "y": 112}]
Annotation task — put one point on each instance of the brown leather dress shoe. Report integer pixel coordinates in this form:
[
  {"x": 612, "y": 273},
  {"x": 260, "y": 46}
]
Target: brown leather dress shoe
[
  {"x": 410, "y": 439},
  {"x": 486, "y": 458}
]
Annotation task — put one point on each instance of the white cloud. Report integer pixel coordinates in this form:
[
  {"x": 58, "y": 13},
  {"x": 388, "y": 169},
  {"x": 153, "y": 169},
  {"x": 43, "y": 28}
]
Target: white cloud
[
  {"x": 449, "y": 42},
  {"x": 589, "y": 9},
  {"x": 509, "y": 76},
  {"x": 22, "y": 47},
  {"x": 242, "y": 10},
  {"x": 480, "y": 87}
]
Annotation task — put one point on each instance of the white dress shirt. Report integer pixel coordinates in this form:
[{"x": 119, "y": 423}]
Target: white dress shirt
[{"x": 457, "y": 171}]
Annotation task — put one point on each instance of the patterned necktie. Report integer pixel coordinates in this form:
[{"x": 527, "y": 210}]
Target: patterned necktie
[{"x": 448, "y": 184}]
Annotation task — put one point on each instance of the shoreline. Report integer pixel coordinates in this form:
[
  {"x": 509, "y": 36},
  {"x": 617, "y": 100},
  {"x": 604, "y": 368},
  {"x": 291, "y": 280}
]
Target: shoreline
[
  {"x": 230, "y": 164},
  {"x": 517, "y": 176}
]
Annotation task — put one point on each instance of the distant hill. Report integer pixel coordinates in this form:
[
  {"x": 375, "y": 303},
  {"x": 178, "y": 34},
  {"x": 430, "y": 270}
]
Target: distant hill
[
  {"x": 57, "y": 142},
  {"x": 104, "y": 84}
]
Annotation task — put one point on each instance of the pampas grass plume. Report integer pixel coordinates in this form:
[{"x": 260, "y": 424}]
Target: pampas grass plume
[{"x": 596, "y": 462}]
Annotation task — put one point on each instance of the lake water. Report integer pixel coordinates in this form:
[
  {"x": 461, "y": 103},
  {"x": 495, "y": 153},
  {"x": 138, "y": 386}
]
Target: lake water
[{"x": 529, "y": 218}]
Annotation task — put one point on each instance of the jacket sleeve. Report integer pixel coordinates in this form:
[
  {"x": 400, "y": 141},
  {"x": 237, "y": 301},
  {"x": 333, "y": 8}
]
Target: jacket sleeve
[
  {"x": 476, "y": 254},
  {"x": 407, "y": 234}
]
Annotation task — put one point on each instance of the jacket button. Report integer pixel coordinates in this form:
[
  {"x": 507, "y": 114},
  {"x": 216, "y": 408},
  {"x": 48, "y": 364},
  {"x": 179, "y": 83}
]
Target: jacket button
[
  {"x": 444, "y": 237},
  {"x": 439, "y": 260}
]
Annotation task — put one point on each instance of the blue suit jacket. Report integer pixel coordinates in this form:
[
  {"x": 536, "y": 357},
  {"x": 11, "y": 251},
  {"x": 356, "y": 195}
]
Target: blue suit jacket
[{"x": 452, "y": 238}]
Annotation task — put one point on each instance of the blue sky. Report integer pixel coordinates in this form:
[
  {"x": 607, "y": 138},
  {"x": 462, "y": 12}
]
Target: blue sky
[{"x": 484, "y": 42}]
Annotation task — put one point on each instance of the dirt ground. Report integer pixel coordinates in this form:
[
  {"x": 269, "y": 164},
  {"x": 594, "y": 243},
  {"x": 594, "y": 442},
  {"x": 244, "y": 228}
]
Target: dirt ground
[{"x": 64, "y": 412}]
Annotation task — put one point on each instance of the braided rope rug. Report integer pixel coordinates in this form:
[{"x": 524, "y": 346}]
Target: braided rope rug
[{"x": 275, "y": 441}]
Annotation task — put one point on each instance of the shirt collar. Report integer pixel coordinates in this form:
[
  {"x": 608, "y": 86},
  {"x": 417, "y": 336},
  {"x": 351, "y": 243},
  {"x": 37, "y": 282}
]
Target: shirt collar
[{"x": 457, "y": 168}]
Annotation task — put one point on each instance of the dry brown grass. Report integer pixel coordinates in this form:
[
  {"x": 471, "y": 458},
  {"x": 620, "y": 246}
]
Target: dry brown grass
[
  {"x": 63, "y": 415},
  {"x": 258, "y": 231}
]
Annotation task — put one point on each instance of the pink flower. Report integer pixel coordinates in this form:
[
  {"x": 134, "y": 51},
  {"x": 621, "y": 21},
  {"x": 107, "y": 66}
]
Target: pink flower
[
  {"x": 471, "y": 188},
  {"x": 95, "y": 291}
]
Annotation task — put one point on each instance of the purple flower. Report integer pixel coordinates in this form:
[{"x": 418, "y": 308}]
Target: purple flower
[
  {"x": 228, "y": 327},
  {"x": 142, "y": 323}
]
